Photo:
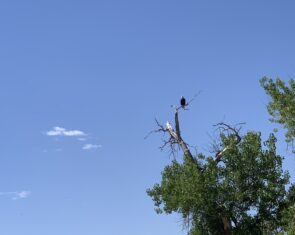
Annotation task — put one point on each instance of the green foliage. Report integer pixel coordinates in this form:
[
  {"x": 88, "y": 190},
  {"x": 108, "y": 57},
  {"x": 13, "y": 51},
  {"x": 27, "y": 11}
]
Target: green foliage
[
  {"x": 247, "y": 189},
  {"x": 282, "y": 109},
  {"x": 282, "y": 104},
  {"x": 288, "y": 212}
]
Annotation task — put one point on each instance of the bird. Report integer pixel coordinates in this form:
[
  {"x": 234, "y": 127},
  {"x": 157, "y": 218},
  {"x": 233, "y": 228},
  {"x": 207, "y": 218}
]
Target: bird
[
  {"x": 169, "y": 126},
  {"x": 182, "y": 102}
]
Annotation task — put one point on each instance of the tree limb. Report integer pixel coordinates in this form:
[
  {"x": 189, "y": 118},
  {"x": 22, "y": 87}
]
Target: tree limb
[
  {"x": 227, "y": 128},
  {"x": 177, "y": 136}
]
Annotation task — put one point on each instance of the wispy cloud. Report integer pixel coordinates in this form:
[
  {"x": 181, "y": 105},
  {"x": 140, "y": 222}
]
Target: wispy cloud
[
  {"x": 91, "y": 146},
  {"x": 22, "y": 195},
  {"x": 77, "y": 134},
  {"x": 17, "y": 195},
  {"x": 60, "y": 131}
]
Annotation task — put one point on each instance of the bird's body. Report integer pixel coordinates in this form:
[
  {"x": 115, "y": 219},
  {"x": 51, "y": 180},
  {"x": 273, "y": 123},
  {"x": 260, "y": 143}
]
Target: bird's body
[
  {"x": 169, "y": 126},
  {"x": 182, "y": 102}
]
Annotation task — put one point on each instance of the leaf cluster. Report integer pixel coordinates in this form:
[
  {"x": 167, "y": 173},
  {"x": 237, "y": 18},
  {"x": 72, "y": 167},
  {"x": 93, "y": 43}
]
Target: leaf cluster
[
  {"x": 282, "y": 109},
  {"x": 282, "y": 104},
  {"x": 288, "y": 212}
]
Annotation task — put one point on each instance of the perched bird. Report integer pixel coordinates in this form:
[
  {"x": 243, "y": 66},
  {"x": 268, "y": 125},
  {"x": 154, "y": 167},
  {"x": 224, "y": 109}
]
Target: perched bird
[
  {"x": 182, "y": 102},
  {"x": 169, "y": 126}
]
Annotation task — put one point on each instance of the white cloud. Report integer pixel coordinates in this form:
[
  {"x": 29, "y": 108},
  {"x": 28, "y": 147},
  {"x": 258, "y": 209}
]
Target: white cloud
[
  {"x": 91, "y": 146},
  {"x": 22, "y": 195},
  {"x": 60, "y": 131},
  {"x": 17, "y": 195}
]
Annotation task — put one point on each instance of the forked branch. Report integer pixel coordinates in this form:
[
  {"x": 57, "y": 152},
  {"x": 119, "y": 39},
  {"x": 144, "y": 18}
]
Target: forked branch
[{"x": 225, "y": 128}]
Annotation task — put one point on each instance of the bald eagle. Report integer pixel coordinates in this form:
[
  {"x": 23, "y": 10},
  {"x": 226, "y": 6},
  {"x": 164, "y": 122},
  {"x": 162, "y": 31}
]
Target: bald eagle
[{"x": 182, "y": 102}]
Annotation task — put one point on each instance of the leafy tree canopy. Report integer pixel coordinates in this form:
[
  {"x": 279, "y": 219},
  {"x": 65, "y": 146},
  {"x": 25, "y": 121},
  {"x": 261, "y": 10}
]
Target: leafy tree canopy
[
  {"x": 245, "y": 192},
  {"x": 282, "y": 109},
  {"x": 282, "y": 104},
  {"x": 288, "y": 212}
]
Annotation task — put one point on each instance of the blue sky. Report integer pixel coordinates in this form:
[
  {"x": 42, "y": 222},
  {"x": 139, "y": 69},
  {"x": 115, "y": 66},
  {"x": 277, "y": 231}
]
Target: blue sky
[{"x": 81, "y": 84}]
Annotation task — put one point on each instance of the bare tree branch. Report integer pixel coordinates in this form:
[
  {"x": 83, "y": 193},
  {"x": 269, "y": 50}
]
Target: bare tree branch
[
  {"x": 223, "y": 127},
  {"x": 177, "y": 137},
  {"x": 161, "y": 129},
  {"x": 177, "y": 124}
]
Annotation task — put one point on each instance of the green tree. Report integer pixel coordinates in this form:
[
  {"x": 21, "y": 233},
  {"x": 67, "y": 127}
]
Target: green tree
[
  {"x": 282, "y": 104},
  {"x": 239, "y": 191},
  {"x": 288, "y": 212},
  {"x": 282, "y": 109}
]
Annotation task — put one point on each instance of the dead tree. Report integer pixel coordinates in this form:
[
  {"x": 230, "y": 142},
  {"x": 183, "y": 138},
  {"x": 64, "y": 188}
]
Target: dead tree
[{"x": 176, "y": 139}]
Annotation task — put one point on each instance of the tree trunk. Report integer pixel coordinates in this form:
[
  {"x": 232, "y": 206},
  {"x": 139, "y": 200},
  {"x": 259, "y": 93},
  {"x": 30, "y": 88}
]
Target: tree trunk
[{"x": 226, "y": 226}]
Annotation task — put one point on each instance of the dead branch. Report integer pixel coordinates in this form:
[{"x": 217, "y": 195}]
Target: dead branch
[
  {"x": 225, "y": 128},
  {"x": 172, "y": 140},
  {"x": 161, "y": 129},
  {"x": 176, "y": 136},
  {"x": 177, "y": 124}
]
